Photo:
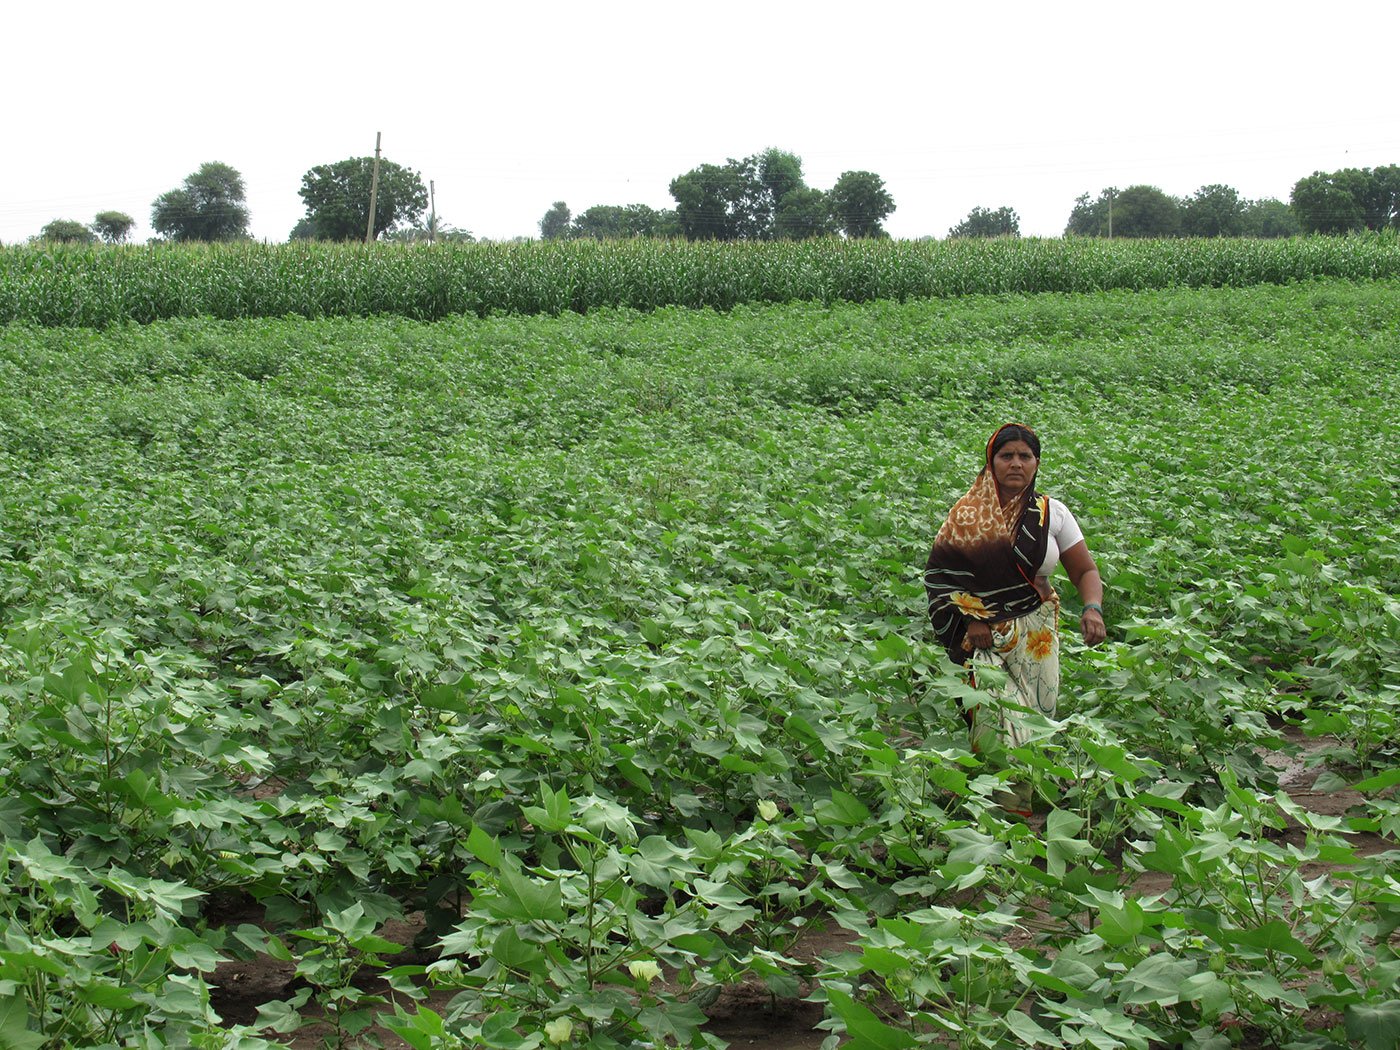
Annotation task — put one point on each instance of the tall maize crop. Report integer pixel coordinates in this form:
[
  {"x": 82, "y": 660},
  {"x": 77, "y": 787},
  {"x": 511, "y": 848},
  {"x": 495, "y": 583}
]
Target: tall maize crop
[{"x": 100, "y": 286}]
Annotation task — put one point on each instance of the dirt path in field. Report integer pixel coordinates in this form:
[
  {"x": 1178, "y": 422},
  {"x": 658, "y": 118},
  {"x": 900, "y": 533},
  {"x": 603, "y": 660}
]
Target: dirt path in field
[{"x": 746, "y": 1016}]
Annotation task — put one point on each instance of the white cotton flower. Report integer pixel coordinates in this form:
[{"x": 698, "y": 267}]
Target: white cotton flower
[
  {"x": 768, "y": 810},
  {"x": 559, "y": 1030},
  {"x": 644, "y": 970}
]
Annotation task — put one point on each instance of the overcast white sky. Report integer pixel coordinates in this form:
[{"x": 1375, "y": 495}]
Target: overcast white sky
[{"x": 508, "y": 107}]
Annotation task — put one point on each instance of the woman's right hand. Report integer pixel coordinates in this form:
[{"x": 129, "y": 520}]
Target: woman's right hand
[{"x": 979, "y": 635}]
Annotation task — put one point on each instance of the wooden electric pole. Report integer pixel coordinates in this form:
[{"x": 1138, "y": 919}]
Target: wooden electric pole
[
  {"x": 432, "y": 212},
  {"x": 373, "y": 189}
]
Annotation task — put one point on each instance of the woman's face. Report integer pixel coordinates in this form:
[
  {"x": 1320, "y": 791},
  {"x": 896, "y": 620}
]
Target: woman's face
[{"x": 1014, "y": 466}]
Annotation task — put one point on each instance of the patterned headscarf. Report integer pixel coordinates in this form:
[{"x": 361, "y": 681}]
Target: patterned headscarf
[{"x": 985, "y": 557}]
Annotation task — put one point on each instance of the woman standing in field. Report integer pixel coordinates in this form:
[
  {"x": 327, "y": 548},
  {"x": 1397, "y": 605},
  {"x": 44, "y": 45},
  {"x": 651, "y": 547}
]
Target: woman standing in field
[{"x": 989, "y": 593}]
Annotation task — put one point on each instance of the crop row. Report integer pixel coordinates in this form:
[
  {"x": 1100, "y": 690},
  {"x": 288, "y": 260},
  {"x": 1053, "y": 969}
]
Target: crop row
[{"x": 101, "y": 286}]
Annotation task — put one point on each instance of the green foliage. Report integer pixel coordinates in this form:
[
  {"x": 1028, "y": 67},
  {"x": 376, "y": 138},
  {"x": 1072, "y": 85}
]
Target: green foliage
[
  {"x": 720, "y": 203},
  {"x": 66, "y": 231},
  {"x": 983, "y": 222},
  {"x": 1348, "y": 200},
  {"x": 764, "y": 197},
  {"x": 1269, "y": 218},
  {"x": 860, "y": 204},
  {"x": 555, "y": 224},
  {"x": 803, "y": 213},
  {"x": 73, "y": 286},
  {"x": 113, "y": 226},
  {"x": 1138, "y": 211},
  {"x": 1213, "y": 211},
  {"x": 1145, "y": 211},
  {"x": 599, "y": 642},
  {"x": 337, "y": 198},
  {"x": 1089, "y": 218},
  {"x": 614, "y": 222},
  {"x": 209, "y": 206}
]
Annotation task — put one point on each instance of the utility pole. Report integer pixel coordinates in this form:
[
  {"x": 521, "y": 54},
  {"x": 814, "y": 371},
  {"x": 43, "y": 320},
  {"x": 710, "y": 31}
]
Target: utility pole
[
  {"x": 432, "y": 212},
  {"x": 374, "y": 189},
  {"x": 1110, "y": 213}
]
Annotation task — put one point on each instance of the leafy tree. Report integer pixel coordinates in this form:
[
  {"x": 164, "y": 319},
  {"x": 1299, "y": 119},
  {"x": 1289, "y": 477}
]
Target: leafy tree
[
  {"x": 803, "y": 212},
  {"x": 1376, "y": 193},
  {"x": 1388, "y": 186},
  {"x": 113, "y": 226},
  {"x": 1138, "y": 211},
  {"x": 1268, "y": 218},
  {"x": 668, "y": 224},
  {"x": 1089, "y": 218},
  {"x": 744, "y": 199},
  {"x": 555, "y": 224},
  {"x": 1145, "y": 211},
  {"x": 337, "y": 198},
  {"x": 982, "y": 222},
  {"x": 764, "y": 196},
  {"x": 208, "y": 207},
  {"x": 717, "y": 203},
  {"x": 617, "y": 222},
  {"x": 1350, "y": 199},
  {"x": 1323, "y": 206},
  {"x": 780, "y": 173},
  {"x": 1213, "y": 211},
  {"x": 67, "y": 231},
  {"x": 860, "y": 203}
]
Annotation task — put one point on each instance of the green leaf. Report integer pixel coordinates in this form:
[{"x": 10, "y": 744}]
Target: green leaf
[
  {"x": 1114, "y": 759},
  {"x": 864, "y": 1029},
  {"x": 451, "y": 697},
  {"x": 1027, "y": 1032},
  {"x": 1377, "y": 1025},
  {"x": 1380, "y": 782},
  {"x": 1157, "y": 979},
  {"x": 1119, "y": 925},
  {"x": 1060, "y": 843},
  {"x": 107, "y": 996},
  {"x": 14, "y": 1026},
  {"x": 971, "y": 846},
  {"x": 554, "y": 811},
  {"x": 1266, "y": 986},
  {"x": 841, "y": 810},
  {"x": 498, "y": 1031},
  {"x": 634, "y": 774},
  {"x": 523, "y": 898},
  {"x": 1274, "y": 936},
  {"x": 283, "y": 1016},
  {"x": 484, "y": 846},
  {"x": 516, "y": 954},
  {"x": 1210, "y": 991}
]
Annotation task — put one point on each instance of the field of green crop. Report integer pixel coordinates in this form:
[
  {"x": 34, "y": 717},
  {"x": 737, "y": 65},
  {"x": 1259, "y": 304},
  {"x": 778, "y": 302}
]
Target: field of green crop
[
  {"x": 595, "y": 648},
  {"x": 101, "y": 286}
]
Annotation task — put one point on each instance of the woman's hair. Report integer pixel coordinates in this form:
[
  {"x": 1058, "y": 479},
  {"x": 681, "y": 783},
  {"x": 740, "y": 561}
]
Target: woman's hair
[{"x": 1014, "y": 432}]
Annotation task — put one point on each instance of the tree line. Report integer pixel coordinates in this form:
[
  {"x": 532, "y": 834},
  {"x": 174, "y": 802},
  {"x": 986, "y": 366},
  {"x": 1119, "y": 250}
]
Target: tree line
[
  {"x": 760, "y": 197},
  {"x": 1345, "y": 201},
  {"x": 211, "y": 205}
]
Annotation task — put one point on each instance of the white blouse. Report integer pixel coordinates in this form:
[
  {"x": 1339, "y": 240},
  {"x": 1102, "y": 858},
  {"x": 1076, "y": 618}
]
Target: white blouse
[{"x": 1064, "y": 534}]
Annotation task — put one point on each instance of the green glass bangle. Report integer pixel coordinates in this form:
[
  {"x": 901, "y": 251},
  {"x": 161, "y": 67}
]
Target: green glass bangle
[{"x": 1095, "y": 606}]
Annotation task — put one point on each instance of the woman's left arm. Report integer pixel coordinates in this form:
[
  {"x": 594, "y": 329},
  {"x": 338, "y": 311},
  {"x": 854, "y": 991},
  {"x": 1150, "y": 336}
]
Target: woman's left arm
[{"x": 1084, "y": 574}]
